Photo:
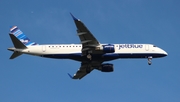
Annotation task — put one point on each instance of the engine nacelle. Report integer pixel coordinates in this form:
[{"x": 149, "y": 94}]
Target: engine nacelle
[
  {"x": 107, "y": 67},
  {"x": 108, "y": 48}
]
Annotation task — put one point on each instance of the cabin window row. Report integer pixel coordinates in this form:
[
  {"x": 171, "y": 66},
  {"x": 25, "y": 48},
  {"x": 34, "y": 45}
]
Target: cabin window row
[{"x": 62, "y": 46}]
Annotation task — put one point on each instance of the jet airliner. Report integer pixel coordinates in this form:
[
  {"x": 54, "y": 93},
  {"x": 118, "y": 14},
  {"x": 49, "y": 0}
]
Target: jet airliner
[{"x": 91, "y": 53}]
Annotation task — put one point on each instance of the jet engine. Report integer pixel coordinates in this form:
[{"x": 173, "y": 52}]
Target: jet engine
[
  {"x": 107, "y": 67},
  {"x": 108, "y": 48}
]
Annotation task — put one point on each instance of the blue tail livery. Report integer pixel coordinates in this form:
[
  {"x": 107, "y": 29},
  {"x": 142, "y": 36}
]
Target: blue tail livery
[{"x": 21, "y": 36}]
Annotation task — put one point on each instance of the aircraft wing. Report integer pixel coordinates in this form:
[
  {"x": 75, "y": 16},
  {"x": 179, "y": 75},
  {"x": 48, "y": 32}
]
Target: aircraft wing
[
  {"x": 86, "y": 37},
  {"x": 82, "y": 71},
  {"x": 89, "y": 42}
]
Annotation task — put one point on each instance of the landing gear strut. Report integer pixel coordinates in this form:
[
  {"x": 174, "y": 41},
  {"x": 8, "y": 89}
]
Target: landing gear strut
[
  {"x": 89, "y": 56},
  {"x": 149, "y": 60}
]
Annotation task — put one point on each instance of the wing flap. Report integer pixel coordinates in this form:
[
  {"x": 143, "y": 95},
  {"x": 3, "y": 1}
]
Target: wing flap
[
  {"x": 85, "y": 41},
  {"x": 82, "y": 33}
]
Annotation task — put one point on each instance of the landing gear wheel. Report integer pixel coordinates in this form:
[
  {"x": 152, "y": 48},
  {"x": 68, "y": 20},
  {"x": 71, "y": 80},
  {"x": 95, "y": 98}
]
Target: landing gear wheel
[
  {"x": 89, "y": 56},
  {"x": 149, "y": 60}
]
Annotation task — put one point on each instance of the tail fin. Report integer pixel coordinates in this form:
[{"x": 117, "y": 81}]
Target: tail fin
[
  {"x": 20, "y": 41},
  {"x": 20, "y": 36}
]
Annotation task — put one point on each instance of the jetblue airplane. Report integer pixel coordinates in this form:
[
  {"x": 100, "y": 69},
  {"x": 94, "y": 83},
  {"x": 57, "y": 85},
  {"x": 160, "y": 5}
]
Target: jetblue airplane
[{"x": 91, "y": 53}]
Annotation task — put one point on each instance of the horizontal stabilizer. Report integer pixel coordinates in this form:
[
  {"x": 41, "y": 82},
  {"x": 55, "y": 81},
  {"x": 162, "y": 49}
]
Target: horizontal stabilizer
[
  {"x": 17, "y": 43},
  {"x": 15, "y": 54}
]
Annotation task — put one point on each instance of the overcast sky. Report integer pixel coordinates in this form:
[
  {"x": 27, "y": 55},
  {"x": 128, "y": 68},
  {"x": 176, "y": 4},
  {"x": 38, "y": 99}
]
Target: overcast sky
[{"x": 35, "y": 79}]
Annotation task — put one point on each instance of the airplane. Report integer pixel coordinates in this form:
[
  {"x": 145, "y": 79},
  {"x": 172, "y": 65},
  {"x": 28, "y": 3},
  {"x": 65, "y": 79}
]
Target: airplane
[{"x": 90, "y": 52}]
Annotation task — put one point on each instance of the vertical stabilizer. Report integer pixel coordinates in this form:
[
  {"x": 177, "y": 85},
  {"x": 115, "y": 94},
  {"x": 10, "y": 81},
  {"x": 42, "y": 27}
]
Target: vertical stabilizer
[{"x": 21, "y": 36}]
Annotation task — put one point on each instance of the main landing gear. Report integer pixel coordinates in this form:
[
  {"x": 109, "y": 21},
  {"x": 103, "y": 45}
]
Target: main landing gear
[
  {"x": 149, "y": 60},
  {"x": 89, "y": 56}
]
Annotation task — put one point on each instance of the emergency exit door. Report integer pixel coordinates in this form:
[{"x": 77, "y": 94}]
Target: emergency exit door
[
  {"x": 43, "y": 48},
  {"x": 147, "y": 47}
]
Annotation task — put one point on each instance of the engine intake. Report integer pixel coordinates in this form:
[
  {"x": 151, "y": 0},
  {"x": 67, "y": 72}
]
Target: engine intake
[
  {"x": 107, "y": 67},
  {"x": 108, "y": 48}
]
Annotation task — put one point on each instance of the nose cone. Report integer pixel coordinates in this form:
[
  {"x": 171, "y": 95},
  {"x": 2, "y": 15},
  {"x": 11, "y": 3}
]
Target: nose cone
[
  {"x": 164, "y": 53},
  {"x": 161, "y": 52}
]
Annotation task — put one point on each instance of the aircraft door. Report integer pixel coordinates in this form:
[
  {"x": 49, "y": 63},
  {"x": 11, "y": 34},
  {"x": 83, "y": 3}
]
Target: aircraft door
[
  {"x": 43, "y": 48},
  {"x": 147, "y": 47}
]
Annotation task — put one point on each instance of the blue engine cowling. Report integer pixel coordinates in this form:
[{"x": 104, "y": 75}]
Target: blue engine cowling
[
  {"x": 107, "y": 67},
  {"x": 108, "y": 48}
]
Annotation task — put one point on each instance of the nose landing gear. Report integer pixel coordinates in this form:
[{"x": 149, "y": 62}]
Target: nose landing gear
[{"x": 149, "y": 60}]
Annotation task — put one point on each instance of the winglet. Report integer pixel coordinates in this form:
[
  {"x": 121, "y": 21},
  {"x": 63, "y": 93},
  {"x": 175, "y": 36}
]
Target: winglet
[
  {"x": 70, "y": 76},
  {"x": 74, "y": 18}
]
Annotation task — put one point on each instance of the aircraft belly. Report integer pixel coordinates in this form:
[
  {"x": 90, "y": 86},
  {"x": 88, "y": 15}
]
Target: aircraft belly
[
  {"x": 100, "y": 57},
  {"x": 64, "y": 56}
]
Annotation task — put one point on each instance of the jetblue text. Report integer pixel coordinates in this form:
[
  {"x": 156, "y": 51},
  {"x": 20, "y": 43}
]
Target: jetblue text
[{"x": 130, "y": 46}]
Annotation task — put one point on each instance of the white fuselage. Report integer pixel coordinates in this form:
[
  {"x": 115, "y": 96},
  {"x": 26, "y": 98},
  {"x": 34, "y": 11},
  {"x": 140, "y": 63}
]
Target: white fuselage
[{"x": 68, "y": 51}]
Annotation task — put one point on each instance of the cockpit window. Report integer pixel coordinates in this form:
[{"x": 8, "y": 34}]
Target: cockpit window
[{"x": 154, "y": 46}]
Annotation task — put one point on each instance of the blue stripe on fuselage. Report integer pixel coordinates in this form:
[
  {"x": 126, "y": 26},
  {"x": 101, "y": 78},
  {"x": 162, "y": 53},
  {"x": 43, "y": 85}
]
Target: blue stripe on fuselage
[{"x": 104, "y": 57}]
